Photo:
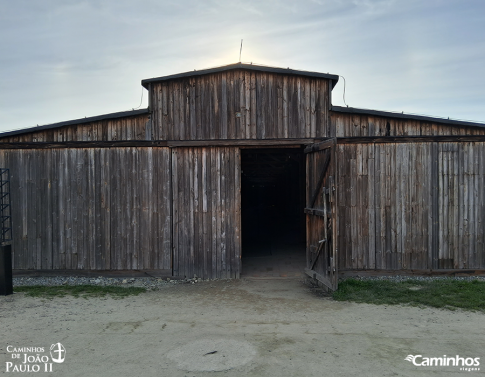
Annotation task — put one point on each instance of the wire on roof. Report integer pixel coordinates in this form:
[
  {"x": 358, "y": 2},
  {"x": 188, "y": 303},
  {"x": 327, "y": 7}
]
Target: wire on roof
[
  {"x": 141, "y": 100},
  {"x": 343, "y": 96}
]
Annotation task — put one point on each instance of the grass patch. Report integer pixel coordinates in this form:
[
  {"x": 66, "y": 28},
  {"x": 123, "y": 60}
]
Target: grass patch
[
  {"x": 443, "y": 293},
  {"x": 84, "y": 291}
]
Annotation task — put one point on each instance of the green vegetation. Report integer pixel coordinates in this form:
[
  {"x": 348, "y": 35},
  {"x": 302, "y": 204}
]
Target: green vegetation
[
  {"x": 84, "y": 291},
  {"x": 441, "y": 293}
]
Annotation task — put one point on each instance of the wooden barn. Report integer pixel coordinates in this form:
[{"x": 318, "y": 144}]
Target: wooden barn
[{"x": 225, "y": 160}]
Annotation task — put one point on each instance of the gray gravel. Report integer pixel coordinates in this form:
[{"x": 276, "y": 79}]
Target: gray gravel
[
  {"x": 399, "y": 278},
  {"x": 146, "y": 282},
  {"x": 158, "y": 283}
]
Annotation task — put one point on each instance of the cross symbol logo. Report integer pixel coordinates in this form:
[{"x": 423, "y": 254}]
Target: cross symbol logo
[{"x": 60, "y": 351}]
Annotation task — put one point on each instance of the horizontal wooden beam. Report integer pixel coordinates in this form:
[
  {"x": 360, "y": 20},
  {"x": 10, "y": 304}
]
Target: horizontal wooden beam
[
  {"x": 239, "y": 142},
  {"x": 409, "y": 139},
  {"x": 83, "y": 144},
  {"x": 316, "y": 212},
  {"x": 158, "y": 143},
  {"x": 244, "y": 143}
]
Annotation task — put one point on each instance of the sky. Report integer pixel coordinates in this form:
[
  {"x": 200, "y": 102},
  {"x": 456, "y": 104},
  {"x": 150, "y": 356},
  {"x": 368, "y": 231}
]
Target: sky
[{"x": 68, "y": 59}]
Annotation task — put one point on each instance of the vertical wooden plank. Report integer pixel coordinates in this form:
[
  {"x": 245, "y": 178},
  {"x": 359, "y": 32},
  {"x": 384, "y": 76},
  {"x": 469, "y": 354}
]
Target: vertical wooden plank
[
  {"x": 30, "y": 257},
  {"x": 285, "y": 107},
  {"x": 247, "y": 104},
  {"x": 371, "y": 209},
  {"x": 300, "y": 110},
  {"x": 226, "y": 124},
  {"x": 115, "y": 215},
  {"x": 134, "y": 241},
  {"x": 236, "y": 105},
  {"x": 165, "y": 220},
  {"x": 353, "y": 213},
  {"x": 103, "y": 250},
  {"x": 63, "y": 205},
  {"x": 389, "y": 198},
  {"x": 244, "y": 121},
  {"x": 279, "y": 133},
  {"x": 433, "y": 222},
  {"x": 127, "y": 206},
  {"x": 456, "y": 220},
  {"x": 261, "y": 105},
  {"x": 186, "y": 214},
  {"x": 71, "y": 219},
  {"x": 194, "y": 210},
  {"x": 481, "y": 207},
  {"x": 91, "y": 236},
  {"x": 312, "y": 109},
  {"x": 223, "y": 214},
  {"x": 326, "y": 110},
  {"x": 470, "y": 234},
  {"x": 463, "y": 195},
  {"x": 81, "y": 208},
  {"x": 177, "y": 270},
  {"x": 306, "y": 107},
  {"x": 377, "y": 202},
  {"x": 403, "y": 204},
  {"x": 46, "y": 227},
  {"x": 230, "y": 211},
  {"x": 55, "y": 214},
  {"x": 237, "y": 205},
  {"x": 215, "y": 202},
  {"x": 270, "y": 107},
  {"x": 174, "y": 128},
  {"x": 204, "y": 218},
  {"x": 201, "y": 252},
  {"x": 143, "y": 205},
  {"x": 210, "y": 242},
  {"x": 442, "y": 222},
  {"x": 254, "y": 107}
]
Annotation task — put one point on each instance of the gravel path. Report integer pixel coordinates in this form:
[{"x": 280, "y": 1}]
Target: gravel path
[
  {"x": 156, "y": 283},
  {"x": 232, "y": 328},
  {"x": 149, "y": 283}
]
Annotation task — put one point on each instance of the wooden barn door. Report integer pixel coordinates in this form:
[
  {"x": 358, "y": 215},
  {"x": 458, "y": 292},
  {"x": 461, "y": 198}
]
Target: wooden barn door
[
  {"x": 206, "y": 212},
  {"x": 321, "y": 213}
]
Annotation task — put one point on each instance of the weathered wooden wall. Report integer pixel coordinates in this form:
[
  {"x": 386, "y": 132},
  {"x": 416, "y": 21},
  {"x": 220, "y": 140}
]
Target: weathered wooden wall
[
  {"x": 411, "y": 205},
  {"x": 96, "y": 208},
  {"x": 126, "y": 128},
  {"x": 461, "y": 181},
  {"x": 270, "y": 105},
  {"x": 356, "y": 125},
  {"x": 206, "y": 211}
]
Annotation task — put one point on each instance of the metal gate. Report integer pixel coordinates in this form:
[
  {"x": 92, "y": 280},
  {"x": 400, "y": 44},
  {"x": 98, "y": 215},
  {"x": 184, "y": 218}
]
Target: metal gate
[{"x": 321, "y": 213}]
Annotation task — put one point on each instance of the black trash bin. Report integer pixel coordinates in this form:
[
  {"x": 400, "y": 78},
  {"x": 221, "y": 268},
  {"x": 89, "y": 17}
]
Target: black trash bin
[{"x": 6, "y": 284}]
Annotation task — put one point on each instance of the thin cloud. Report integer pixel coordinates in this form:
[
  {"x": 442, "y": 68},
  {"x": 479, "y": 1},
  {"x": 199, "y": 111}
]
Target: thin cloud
[{"x": 67, "y": 59}]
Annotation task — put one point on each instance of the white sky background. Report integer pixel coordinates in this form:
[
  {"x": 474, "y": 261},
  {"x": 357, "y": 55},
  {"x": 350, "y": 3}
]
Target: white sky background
[{"x": 63, "y": 60}]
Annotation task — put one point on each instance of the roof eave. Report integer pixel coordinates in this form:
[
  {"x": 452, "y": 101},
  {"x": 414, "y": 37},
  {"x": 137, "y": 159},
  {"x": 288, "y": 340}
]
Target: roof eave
[
  {"x": 251, "y": 67},
  {"x": 389, "y": 114},
  {"x": 96, "y": 118}
]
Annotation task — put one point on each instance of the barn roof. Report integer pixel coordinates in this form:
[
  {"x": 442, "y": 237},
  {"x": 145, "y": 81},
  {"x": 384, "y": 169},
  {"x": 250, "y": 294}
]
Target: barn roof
[
  {"x": 390, "y": 114},
  {"x": 97, "y": 118},
  {"x": 250, "y": 67}
]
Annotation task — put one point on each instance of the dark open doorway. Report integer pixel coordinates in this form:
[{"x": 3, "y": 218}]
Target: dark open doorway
[{"x": 273, "y": 221}]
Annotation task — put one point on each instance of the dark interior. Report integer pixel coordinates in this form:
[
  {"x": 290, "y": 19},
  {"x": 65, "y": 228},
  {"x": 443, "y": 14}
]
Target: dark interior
[{"x": 272, "y": 200}]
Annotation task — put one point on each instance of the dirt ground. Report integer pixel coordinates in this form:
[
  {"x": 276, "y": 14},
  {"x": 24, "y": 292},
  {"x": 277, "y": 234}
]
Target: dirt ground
[{"x": 275, "y": 327}]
